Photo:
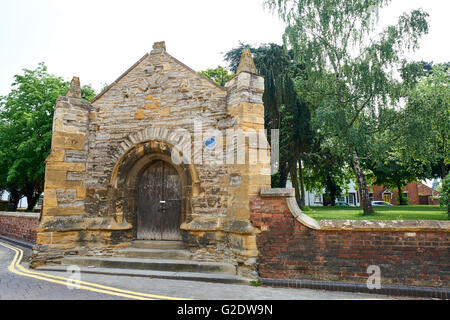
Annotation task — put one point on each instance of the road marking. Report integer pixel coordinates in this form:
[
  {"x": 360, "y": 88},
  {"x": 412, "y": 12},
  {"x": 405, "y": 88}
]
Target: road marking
[{"x": 17, "y": 268}]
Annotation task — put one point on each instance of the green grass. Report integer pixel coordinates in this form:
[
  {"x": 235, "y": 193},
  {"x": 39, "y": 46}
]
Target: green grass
[{"x": 381, "y": 213}]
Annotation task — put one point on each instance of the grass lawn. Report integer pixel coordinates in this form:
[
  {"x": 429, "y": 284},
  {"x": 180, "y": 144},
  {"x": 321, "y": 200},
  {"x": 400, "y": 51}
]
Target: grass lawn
[{"x": 381, "y": 213}]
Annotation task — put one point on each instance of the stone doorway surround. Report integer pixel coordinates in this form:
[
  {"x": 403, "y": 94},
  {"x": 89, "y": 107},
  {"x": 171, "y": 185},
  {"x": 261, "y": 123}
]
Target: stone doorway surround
[
  {"x": 126, "y": 175},
  {"x": 159, "y": 203}
]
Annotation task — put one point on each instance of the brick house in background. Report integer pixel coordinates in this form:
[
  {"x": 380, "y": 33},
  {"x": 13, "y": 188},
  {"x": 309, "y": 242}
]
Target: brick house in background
[{"x": 417, "y": 193}]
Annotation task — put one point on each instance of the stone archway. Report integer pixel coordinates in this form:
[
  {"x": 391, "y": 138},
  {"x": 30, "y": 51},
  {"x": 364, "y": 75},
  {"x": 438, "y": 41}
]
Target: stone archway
[{"x": 127, "y": 176}]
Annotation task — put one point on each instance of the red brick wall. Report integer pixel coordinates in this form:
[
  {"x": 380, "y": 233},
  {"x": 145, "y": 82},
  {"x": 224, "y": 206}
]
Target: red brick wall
[
  {"x": 19, "y": 227},
  {"x": 289, "y": 250}
]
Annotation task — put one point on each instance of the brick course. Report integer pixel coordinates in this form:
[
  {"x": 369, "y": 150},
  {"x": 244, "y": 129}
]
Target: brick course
[{"x": 290, "y": 250}]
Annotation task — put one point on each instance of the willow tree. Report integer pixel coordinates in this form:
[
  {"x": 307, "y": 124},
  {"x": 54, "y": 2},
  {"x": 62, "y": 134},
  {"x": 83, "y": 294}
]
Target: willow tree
[{"x": 350, "y": 65}]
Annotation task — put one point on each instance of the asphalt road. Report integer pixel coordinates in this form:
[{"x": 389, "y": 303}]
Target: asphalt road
[
  {"x": 21, "y": 283},
  {"x": 19, "y": 287}
]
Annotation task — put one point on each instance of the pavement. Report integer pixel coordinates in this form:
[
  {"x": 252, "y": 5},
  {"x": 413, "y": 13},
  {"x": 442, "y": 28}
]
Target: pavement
[{"x": 18, "y": 282}]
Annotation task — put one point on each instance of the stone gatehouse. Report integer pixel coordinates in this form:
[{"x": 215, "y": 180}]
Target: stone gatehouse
[{"x": 133, "y": 164}]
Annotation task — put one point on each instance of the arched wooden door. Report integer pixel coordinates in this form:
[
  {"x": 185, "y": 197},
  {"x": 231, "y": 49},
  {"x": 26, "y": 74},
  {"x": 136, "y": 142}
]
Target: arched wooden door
[{"x": 159, "y": 203}]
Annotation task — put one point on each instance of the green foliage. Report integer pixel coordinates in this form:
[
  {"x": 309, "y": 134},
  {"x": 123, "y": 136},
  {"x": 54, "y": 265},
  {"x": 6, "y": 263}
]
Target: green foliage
[
  {"x": 219, "y": 75},
  {"x": 424, "y": 124},
  {"x": 105, "y": 86},
  {"x": 326, "y": 170},
  {"x": 391, "y": 173},
  {"x": 26, "y": 120},
  {"x": 256, "y": 283},
  {"x": 348, "y": 68},
  {"x": 402, "y": 200},
  {"x": 88, "y": 93}
]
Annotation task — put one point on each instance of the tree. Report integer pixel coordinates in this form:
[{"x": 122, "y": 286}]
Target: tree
[
  {"x": 26, "y": 120},
  {"x": 326, "y": 174},
  {"x": 349, "y": 67},
  {"x": 284, "y": 109},
  {"x": 219, "y": 75}
]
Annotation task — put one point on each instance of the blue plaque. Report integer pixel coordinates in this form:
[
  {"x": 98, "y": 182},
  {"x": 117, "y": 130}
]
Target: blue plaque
[{"x": 210, "y": 143}]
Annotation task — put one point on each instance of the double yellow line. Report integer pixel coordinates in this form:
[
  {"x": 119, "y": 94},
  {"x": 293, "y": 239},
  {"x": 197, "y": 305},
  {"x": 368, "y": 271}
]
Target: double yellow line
[{"x": 16, "y": 268}]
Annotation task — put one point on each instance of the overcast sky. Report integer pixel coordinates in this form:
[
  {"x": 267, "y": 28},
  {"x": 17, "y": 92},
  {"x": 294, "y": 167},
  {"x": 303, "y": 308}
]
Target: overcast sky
[{"x": 98, "y": 40}]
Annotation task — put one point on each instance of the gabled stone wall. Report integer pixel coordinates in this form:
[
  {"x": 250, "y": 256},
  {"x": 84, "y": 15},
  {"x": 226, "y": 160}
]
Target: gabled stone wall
[{"x": 150, "y": 111}]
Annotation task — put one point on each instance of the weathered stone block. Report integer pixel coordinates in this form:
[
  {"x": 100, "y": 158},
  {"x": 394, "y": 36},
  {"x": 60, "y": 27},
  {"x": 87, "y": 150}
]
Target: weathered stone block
[
  {"x": 56, "y": 156},
  {"x": 64, "y": 211},
  {"x": 139, "y": 114},
  {"x": 50, "y": 199},
  {"x": 65, "y": 166},
  {"x": 69, "y": 141}
]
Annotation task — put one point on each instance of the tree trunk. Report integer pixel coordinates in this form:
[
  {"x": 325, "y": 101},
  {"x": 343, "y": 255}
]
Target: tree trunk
[
  {"x": 400, "y": 195},
  {"x": 15, "y": 197},
  {"x": 284, "y": 170},
  {"x": 32, "y": 200},
  {"x": 32, "y": 191},
  {"x": 302, "y": 185},
  {"x": 331, "y": 190},
  {"x": 362, "y": 185},
  {"x": 443, "y": 170}
]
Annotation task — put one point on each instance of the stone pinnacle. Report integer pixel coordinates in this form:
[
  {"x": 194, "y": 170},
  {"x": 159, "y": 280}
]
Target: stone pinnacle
[
  {"x": 74, "y": 89},
  {"x": 246, "y": 64}
]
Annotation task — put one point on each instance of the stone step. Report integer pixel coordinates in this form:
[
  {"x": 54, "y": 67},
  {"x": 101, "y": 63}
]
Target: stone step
[
  {"x": 160, "y": 245},
  {"x": 151, "y": 264},
  {"x": 170, "y": 254},
  {"x": 187, "y": 276}
]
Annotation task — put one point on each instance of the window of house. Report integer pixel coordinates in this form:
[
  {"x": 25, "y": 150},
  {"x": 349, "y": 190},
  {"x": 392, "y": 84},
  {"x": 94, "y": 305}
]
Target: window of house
[
  {"x": 40, "y": 201},
  {"x": 317, "y": 199},
  {"x": 371, "y": 196},
  {"x": 351, "y": 199},
  {"x": 405, "y": 195}
]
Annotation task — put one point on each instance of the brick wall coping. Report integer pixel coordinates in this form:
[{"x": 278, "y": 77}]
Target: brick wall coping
[
  {"x": 354, "y": 225},
  {"x": 389, "y": 225},
  {"x": 30, "y": 215},
  {"x": 274, "y": 192},
  {"x": 293, "y": 206}
]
